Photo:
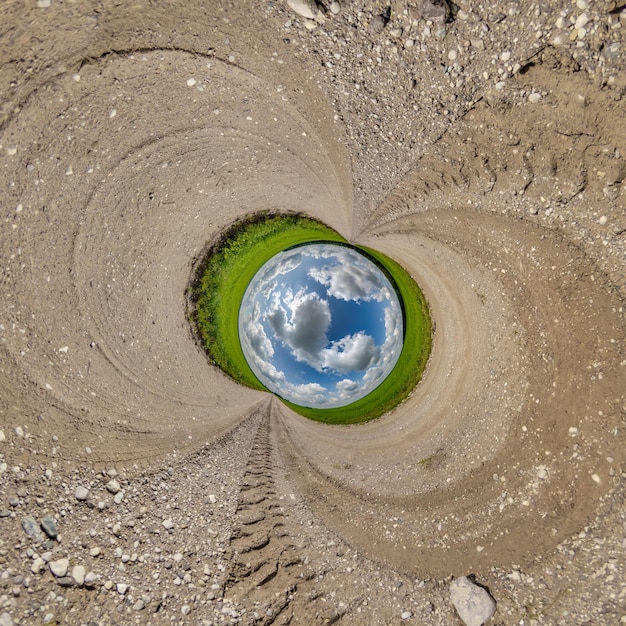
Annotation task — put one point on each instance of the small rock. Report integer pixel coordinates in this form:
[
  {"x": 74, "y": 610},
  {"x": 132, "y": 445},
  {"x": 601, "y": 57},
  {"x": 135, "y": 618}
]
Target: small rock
[
  {"x": 304, "y": 8},
  {"x": 6, "y": 620},
  {"x": 31, "y": 528},
  {"x": 94, "y": 552},
  {"x": 49, "y": 526},
  {"x": 65, "y": 581},
  {"x": 378, "y": 23},
  {"x": 534, "y": 97},
  {"x": 2, "y": 436},
  {"x": 139, "y": 605},
  {"x": 186, "y": 609},
  {"x": 119, "y": 496},
  {"x": 90, "y": 579},
  {"x": 191, "y": 82},
  {"x": 37, "y": 565},
  {"x": 113, "y": 486},
  {"x": 81, "y": 493},
  {"x": 437, "y": 11},
  {"x": 168, "y": 524},
  {"x": 78, "y": 574},
  {"x": 19, "y": 431},
  {"x": 335, "y": 7},
  {"x": 610, "y": 52},
  {"x": 59, "y": 567},
  {"x": 473, "y": 603},
  {"x": 406, "y": 615},
  {"x": 43, "y": 4},
  {"x": 121, "y": 588}
]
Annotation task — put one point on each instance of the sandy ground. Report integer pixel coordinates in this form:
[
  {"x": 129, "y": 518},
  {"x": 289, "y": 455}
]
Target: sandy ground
[{"x": 486, "y": 155}]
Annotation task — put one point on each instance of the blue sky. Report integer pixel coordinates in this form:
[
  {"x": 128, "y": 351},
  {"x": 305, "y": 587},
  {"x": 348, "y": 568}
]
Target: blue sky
[{"x": 320, "y": 325}]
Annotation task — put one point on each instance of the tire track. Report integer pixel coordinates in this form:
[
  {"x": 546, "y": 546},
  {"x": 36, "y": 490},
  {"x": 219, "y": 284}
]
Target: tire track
[{"x": 274, "y": 575}]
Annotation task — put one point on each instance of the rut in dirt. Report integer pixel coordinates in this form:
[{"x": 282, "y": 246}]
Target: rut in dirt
[{"x": 270, "y": 574}]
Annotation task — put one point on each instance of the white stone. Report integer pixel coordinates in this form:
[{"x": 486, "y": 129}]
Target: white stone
[
  {"x": 473, "y": 604},
  {"x": 335, "y": 7},
  {"x": 304, "y": 8},
  {"x": 78, "y": 574},
  {"x": 59, "y": 567},
  {"x": 121, "y": 588},
  {"x": 602, "y": 221},
  {"x": 43, "y": 4},
  {"x": 534, "y": 97},
  {"x": 168, "y": 524},
  {"x": 506, "y": 55},
  {"x": 581, "y": 21},
  {"x": 19, "y": 431},
  {"x": 191, "y": 82},
  {"x": 406, "y": 615},
  {"x": 37, "y": 565},
  {"x": 81, "y": 493},
  {"x": 2, "y": 436},
  {"x": 113, "y": 486}
]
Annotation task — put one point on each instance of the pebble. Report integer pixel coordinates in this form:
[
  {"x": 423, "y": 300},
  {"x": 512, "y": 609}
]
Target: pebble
[
  {"x": 406, "y": 615},
  {"x": 335, "y": 7},
  {"x": 37, "y": 565},
  {"x": 59, "y": 567},
  {"x": 90, "y": 579},
  {"x": 31, "y": 528},
  {"x": 113, "y": 486},
  {"x": 81, "y": 493},
  {"x": 49, "y": 526},
  {"x": 2, "y": 436},
  {"x": 191, "y": 82},
  {"x": 534, "y": 97},
  {"x": 6, "y": 620},
  {"x": 121, "y": 588},
  {"x": 19, "y": 431},
  {"x": 473, "y": 603},
  {"x": 437, "y": 11},
  {"x": 610, "y": 52},
  {"x": 43, "y": 4},
  {"x": 78, "y": 574},
  {"x": 168, "y": 524},
  {"x": 304, "y": 8}
]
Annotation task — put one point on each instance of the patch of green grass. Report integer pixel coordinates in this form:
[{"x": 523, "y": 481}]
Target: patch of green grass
[{"x": 229, "y": 266}]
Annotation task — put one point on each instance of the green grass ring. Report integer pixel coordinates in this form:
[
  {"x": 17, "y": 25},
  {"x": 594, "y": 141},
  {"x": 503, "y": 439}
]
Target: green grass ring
[{"x": 222, "y": 278}]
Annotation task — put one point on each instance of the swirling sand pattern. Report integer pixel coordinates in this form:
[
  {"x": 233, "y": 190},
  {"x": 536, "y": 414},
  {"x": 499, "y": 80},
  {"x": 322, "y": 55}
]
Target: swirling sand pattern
[{"x": 131, "y": 137}]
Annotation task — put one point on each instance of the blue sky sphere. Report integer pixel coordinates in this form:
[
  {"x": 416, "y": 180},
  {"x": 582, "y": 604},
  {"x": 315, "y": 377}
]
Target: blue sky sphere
[{"x": 320, "y": 325}]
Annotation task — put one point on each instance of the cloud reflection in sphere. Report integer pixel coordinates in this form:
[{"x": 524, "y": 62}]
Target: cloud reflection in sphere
[{"x": 320, "y": 325}]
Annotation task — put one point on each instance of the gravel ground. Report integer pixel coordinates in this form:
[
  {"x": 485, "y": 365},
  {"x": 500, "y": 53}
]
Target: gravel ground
[{"x": 484, "y": 151}]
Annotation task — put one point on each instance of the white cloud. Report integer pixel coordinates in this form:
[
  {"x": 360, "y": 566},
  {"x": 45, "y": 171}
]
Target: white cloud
[
  {"x": 304, "y": 330},
  {"x": 350, "y": 282},
  {"x": 351, "y": 353}
]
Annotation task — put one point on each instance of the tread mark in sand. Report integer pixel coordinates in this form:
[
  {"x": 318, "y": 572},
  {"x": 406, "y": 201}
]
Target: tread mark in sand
[{"x": 267, "y": 566}]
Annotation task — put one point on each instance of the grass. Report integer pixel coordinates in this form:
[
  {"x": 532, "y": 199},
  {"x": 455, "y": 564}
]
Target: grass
[{"x": 226, "y": 271}]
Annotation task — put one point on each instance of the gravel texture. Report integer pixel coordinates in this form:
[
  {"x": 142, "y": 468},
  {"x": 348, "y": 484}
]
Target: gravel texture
[{"x": 480, "y": 144}]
